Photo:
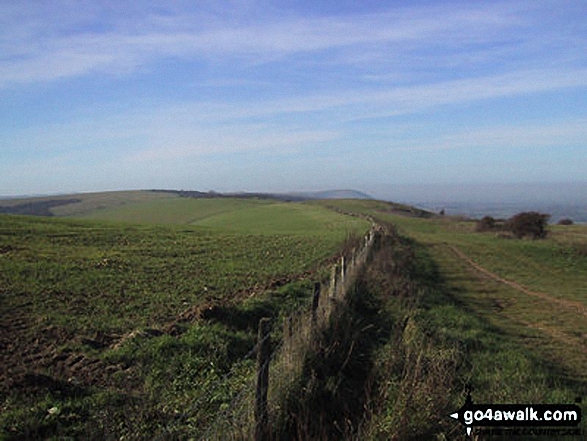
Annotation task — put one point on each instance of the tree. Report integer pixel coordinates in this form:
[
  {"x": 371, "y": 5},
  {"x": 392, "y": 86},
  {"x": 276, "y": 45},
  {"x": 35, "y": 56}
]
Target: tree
[
  {"x": 529, "y": 223},
  {"x": 565, "y": 221},
  {"x": 487, "y": 223}
]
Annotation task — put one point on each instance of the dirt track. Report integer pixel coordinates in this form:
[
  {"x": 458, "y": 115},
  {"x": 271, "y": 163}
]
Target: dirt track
[{"x": 566, "y": 304}]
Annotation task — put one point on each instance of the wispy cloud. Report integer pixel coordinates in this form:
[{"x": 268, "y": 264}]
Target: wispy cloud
[
  {"x": 70, "y": 46},
  {"x": 179, "y": 84},
  {"x": 196, "y": 129},
  {"x": 361, "y": 103}
]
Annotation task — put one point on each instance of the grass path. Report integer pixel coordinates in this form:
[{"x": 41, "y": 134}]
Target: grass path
[
  {"x": 516, "y": 308},
  {"x": 552, "y": 328},
  {"x": 574, "y": 306}
]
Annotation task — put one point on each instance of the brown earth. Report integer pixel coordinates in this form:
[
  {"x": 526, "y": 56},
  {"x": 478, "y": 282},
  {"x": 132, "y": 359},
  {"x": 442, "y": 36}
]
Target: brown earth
[{"x": 36, "y": 359}]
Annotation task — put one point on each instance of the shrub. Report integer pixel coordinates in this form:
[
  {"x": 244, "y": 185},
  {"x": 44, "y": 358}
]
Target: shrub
[
  {"x": 487, "y": 223},
  {"x": 566, "y": 221},
  {"x": 529, "y": 223}
]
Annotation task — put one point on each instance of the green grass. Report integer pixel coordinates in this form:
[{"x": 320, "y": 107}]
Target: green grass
[
  {"x": 190, "y": 279},
  {"x": 453, "y": 336},
  {"x": 90, "y": 202},
  {"x": 96, "y": 276},
  {"x": 174, "y": 210},
  {"x": 372, "y": 207},
  {"x": 556, "y": 332},
  {"x": 512, "y": 347},
  {"x": 551, "y": 265},
  {"x": 284, "y": 218},
  {"x": 169, "y": 311},
  {"x": 240, "y": 216}
]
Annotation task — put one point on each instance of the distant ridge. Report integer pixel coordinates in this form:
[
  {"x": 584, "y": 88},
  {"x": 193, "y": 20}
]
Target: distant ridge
[
  {"x": 294, "y": 196},
  {"x": 76, "y": 204},
  {"x": 334, "y": 194}
]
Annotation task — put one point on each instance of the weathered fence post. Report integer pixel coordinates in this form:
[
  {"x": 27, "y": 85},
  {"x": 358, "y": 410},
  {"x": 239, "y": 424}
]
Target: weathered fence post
[
  {"x": 332, "y": 287},
  {"x": 287, "y": 339},
  {"x": 287, "y": 330},
  {"x": 315, "y": 303},
  {"x": 263, "y": 357}
]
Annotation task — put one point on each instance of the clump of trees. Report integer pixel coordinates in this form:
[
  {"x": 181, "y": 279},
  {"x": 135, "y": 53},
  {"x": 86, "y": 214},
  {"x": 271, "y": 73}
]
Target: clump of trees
[
  {"x": 529, "y": 223},
  {"x": 526, "y": 224},
  {"x": 487, "y": 223},
  {"x": 566, "y": 221}
]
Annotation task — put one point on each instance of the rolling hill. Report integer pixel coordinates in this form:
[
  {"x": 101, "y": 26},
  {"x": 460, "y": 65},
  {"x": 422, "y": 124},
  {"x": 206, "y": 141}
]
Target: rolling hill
[
  {"x": 135, "y": 313},
  {"x": 82, "y": 204}
]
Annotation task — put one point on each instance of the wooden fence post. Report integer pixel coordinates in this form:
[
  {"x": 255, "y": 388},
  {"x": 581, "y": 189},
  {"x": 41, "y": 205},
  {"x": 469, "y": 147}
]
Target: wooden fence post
[
  {"x": 263, "y": 357},
  {"x": 315, "y": 304},
  {"x": 287, "y": 330},
  {"x": 332, "y": 287}
]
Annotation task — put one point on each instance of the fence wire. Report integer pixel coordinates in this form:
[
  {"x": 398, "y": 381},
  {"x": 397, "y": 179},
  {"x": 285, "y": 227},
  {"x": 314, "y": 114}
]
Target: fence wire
[{"x": 236, "y": 420}]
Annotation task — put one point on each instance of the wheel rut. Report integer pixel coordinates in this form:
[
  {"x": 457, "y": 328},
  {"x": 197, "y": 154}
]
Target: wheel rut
[{"x": 569, "y": 305}]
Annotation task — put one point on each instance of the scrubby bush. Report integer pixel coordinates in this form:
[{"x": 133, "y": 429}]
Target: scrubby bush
[
  {"x": 529, "y": 223},
  {"x": 487, "y": 223},
  {"x": 566, "y": 221}
]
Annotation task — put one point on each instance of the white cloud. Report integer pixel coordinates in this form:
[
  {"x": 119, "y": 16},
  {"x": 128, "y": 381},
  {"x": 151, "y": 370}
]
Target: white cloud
[
  {"x": 320, "y": 78},
  {"x": 67, "y": 44},
  {"x": 390, "y": 101}
]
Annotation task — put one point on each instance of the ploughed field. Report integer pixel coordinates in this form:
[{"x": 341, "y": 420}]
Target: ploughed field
[{"x": 97, "y": 317}]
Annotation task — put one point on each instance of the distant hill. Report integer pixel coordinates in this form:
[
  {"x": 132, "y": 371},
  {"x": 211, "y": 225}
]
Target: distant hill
[
  {"x": 84, "y": 203},
  {"x": 294, "y": 196},
  {"x": 77, "y": 204},
  {"x": 36, "y": 207},
  {"x": 334, "y": 194},
  {"x": 241, "y": 195}
]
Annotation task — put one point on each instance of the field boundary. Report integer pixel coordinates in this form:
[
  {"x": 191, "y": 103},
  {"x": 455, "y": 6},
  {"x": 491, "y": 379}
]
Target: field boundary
[{"x": 301, "y": 333}]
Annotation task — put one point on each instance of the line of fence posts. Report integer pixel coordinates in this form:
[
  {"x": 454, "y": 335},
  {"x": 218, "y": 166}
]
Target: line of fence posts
[{"x": 337, "y": 288}]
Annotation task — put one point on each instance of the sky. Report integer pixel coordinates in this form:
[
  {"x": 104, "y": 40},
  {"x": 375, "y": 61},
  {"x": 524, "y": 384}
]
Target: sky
[{"x": 242, "y": 95}]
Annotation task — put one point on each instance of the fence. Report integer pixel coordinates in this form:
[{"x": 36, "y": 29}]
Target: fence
[{"x": 249, "y": 414}]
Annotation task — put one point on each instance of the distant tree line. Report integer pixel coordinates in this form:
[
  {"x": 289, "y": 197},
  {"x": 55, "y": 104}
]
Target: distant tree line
[{"x": 215, "y": 195}]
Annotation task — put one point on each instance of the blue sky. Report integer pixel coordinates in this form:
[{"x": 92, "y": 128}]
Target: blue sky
[{"x": 291, "y": 95}]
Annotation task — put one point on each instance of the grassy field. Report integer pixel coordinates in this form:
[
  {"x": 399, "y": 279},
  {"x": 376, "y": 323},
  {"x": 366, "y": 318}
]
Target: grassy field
[
  {"x": 172, "y": 210},
  {"x": 535, "y": 290},
  {"x": 139, "y": 321},
  {"x": 83, "y": 203},
  {"x": 241, "y": 216},
  {"x": 514, "y": 312},
  {"x": 114, "y": 329}
]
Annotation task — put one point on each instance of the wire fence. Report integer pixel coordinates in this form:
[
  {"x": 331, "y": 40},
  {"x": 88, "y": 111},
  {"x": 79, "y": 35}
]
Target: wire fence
[{"x": 239, "y": 419}]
